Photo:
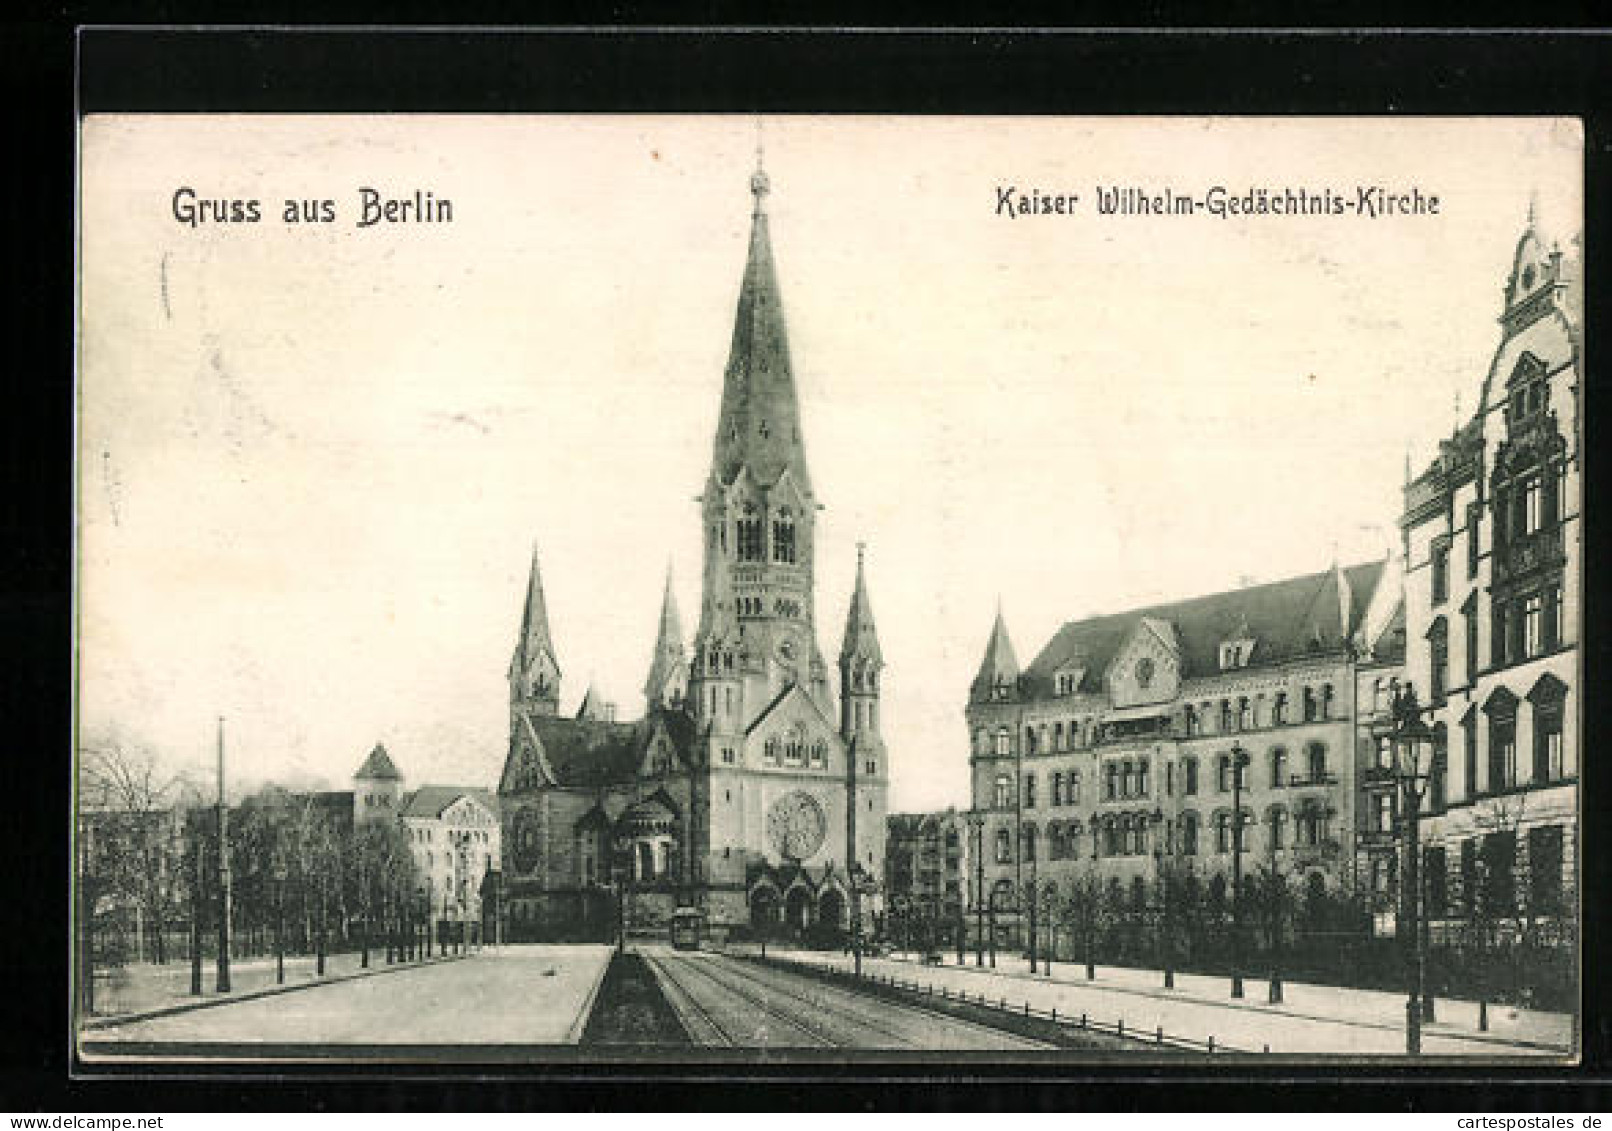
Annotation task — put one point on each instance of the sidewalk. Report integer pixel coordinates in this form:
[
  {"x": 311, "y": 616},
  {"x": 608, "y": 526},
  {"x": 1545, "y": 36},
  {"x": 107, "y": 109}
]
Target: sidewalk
[
  {"x": 1312, "y": 1020},
  {"x": 142, "y": 987}
]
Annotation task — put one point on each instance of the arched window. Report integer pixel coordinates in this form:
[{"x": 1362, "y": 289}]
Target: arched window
[
  {"x": 1278, "y": 767},
  {"x": 1189, "y": 777},
  {"x": 783, "y": 537},
  {"x": 1316, "y": 754},
  {"x": 1245, "y": 714},
  {"x": 1002, "y": 743},
  {"x": 1004, "y": 791},
  {"x": 1004, "y": 846},
  {"x": 1029, "y": 740},
  {"x": 1326, "y": 701},
  {"x": 1222, "y": 832},
  {"x": 1193, "y": 722},
  {"x": 1438, "y": 654},
  {"x": 1074, "y": 787},
  {"x": 1223, "y": 773},
  {"x": 1276, "y": 822},
  {"x": 1125, "y": 779},
  {"x": 1141, "y": 778},
  {"x": 1311, "y": 709},
  {"x": 1189, "y": 833},
  {"x": 1057, "y": 736},
  {"x": 1029, "y": 842},
  {"x": 749, "y": 536},
  {"x": 1225, "y": 715},
  {"x": 1548, "y": 697},
  {"x": 1279, "y": 709}
]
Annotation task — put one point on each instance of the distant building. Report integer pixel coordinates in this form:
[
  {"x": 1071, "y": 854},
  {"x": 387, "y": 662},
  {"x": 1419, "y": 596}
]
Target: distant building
[
  {"x": 748, "y": 789},
  {"x": 1493, "y": 549},
  {"x": 1116, "y": 746},
  {"x": 928, "y": 867}
]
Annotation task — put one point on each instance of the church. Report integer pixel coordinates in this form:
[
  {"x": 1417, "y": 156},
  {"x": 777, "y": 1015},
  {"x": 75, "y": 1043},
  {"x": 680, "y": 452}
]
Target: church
[{"x": 748, "y": 789}]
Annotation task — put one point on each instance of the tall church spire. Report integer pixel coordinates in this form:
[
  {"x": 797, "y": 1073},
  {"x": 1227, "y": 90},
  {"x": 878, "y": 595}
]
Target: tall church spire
[
  {"x": 759, "y": 426},
  {"x": 668, "y": 671},
  {"x": 861, "y": 637},
  {"x": 534, "y": 673}
]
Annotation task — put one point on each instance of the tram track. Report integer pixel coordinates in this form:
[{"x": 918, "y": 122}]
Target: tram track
[{"x": 703, "y": 1011}]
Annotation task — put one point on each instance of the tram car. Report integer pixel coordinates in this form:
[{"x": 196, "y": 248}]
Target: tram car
[{"x": 688, "y": 927}]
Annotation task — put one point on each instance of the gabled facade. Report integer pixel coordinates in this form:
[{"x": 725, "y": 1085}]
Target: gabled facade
[
  {"x": 1112, "y": 754},
  {"x": 747, "y": 789},
  {"x": 1492, "y": 536}
]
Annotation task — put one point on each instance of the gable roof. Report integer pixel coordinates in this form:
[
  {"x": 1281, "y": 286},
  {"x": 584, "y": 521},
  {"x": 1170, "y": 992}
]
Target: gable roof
[
  {"x": 588, "y": 753},
  {"x": 434, "y": 800},
  {"x": 1289, "y": 619}
]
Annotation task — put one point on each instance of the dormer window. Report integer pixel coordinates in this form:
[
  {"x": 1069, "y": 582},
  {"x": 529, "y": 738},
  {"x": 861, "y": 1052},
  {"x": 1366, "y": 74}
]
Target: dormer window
[{"x": 1235, "y": 653}]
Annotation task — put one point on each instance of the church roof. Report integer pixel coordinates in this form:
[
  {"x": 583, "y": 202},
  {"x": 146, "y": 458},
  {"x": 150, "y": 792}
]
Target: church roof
[
  {"x": 433, "y": 800},
  {"x": 378, "y": 766},
  {"x": 1288, "y": 619},
  {"x": 589, "y": 753},
  {"x": 759, "y": 426},
  {"x": 861, "y": 637}
]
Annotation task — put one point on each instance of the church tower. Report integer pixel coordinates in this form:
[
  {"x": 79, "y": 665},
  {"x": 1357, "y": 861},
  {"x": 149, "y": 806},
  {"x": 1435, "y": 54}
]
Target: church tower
[
  {"x": 534, "y": 674},
  {"x": 861, "y": 661},
  {"x": 667, "y": 682},
  {"x": 757, "y": 634}
]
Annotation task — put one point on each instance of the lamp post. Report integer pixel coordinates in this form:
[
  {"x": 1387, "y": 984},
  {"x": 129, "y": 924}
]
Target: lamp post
[
  {"x": 1239, "y": 759},
  {"x": 1410, "y": 736},
  {"x": 195, "y": 907},
  {"x": 279, "y": 919},
  {"x": 991, "y": 916},
  {"x": 1162, "y": 847},
  {"x": 223, "y": 870},
  {"x": 1048, "y": 896}
]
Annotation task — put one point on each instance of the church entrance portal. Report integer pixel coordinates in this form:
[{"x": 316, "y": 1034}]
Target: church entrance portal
[{"x": 797, "y": 908}]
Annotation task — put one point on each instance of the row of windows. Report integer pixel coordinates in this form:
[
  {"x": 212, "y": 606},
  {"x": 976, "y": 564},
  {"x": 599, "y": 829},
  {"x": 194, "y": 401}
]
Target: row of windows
[
  {"x": 1242, "y": 713},
  {"x": 1127, "y": 778},
  {"x": 749, "y": 541},
  {"x": 1138, "y": 834},
  {"x": 1489, "y": 872},
  {"x": 426, "y": 835}
]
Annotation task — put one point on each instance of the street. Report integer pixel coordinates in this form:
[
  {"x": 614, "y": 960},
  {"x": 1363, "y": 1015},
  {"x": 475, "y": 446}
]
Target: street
[
  {"x": 725, "y": 1001},
  {"x": 519, "y": 995}
]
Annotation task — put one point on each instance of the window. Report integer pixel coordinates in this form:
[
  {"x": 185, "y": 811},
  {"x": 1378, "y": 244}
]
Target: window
[
  {"x": 1532, "y": 504},
  {"x": 1002, "y": 741},
  {"x": 1441, "y": 573},
  {"x": 1110, "y": 781},
  {"x": 1439, "y": 658},
  {"x": 1310, "y": 708},
  {"x": 1194, "y": 723},
  {"x": 1438, "y": 778},
  {"x": 1469, "y": 626},
  {"x": 1548, "y": 755},
  {"x": 783, "y": 538},
  {"x": 1245, "y": 714},
  {"x": 1125, "y": 779},
  {"x": 1469, "y": 876},
  {"x": 1553, "y": 616},
  {"x": 1057, "y": 736},
  {"x": 1074, "y": 787},
  {"x": 1004, "y": 791},
  {"x": 1004, "y": 846},
  {"x": 1435, "y": 882},
  {"x": 1029, "y": 842},
  {"x": 1533, "y": 625},
  {"x": 1502, "y": 744},
  {"x": 1223, "y": 773},
  {"x": 1497, "y": 635},
  {"x": 1225, "y": 715},
  {"x": 1278, "y": 767},
  {"x": 1545, "y": 869},
  {"x": 1029, "y": 791},
  {"x": 1029, "y": 740},
  {"x": 1276, "y": 820},
  {"x": 1469, "y": 753},
  {"x": 1500, "y": 863},
  {"x": 1316, "y": 755},
  {"x": 1057, "y": 789},
  {"x": 748, "y": 532},
  {"x": 1189, "y": 774},
  {"x": 1141, "y": 778},
  {"x": 1382, "y": 813},
  {"x": 1326, "y": 701},
  {"x": 1279, "y": 709},
  {"x": 1222, "y": 832},
  {"x": 1473, "y": 515},
  {"x": 1189, "y": 834}
]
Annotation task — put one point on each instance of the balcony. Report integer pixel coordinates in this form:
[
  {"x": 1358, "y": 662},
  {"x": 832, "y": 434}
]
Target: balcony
[
  {"x": 1528, "y": 554},
  {"x": 1324, "y": 852},
  {"x": 1324, "y": 777}
]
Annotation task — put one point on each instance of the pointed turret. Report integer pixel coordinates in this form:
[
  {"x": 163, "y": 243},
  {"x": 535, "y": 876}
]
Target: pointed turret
[
  {"x": 759, "y": 427},
  {"x": 377, "y": 788},
  {"x": 668, "y": 669},
  {"x": 378, "y": 767},
  {"x": 534, "y": 673},
  {"x": 999, "y": 671},
  {"x": 861, "y": 637},
  {"x": 860, "y": 664}
]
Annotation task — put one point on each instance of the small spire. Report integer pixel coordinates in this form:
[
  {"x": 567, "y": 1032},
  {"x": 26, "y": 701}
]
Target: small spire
[
  {"x": 861, "y": 637},
  {"x": 668, "y": 656},
  {"x": 759, "y": 184},
  {"x": 534, "y": 642}
]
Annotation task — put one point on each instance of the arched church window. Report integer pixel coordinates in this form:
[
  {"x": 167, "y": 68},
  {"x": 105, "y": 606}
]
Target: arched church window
[
  {"x": 783, "y": 537},
  {"x": 748, "y": 532},
  {"x": 819, "y": 754}
]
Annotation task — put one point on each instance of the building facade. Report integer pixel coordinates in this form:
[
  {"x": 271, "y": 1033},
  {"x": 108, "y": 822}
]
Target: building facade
[
  {"x": 1492, "y": 544},
  {"x": 1114, "y": 754},
  {"x": 928, "y": 865},
  {"x": 748, "y": 788}
]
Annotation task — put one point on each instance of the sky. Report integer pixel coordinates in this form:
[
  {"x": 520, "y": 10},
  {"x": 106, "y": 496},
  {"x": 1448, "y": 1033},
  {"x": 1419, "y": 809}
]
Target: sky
[{"x": 314, "y": 458}]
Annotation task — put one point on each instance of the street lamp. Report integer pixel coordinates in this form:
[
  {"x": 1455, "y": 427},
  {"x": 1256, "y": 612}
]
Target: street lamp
[
  {"x": 279, "y": 918},
  {"x": 1239, "y": 759},
  {"x": 1409, "y": 737},
  {"x": 1161, "y": 847}
]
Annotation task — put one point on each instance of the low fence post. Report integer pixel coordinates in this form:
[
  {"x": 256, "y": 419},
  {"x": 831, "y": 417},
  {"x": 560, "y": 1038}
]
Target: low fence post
[
  {"x": 1211, "y": 1043},
  {"x": 1082, "y": 1020},
  {"x": 1119, "y": 1027},
  {"x": 1159, "y": 1039}
]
